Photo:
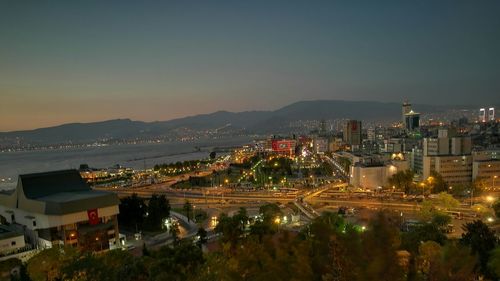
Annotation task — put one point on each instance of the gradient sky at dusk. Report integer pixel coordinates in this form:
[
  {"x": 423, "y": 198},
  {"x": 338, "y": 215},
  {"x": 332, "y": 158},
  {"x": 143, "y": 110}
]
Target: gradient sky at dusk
[{"x": 81, "y": 61}]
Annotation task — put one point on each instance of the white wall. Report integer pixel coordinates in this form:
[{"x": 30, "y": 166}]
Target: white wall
[
  {"x": 47, "y": 221},
  {"x": 6, "y": 244}
]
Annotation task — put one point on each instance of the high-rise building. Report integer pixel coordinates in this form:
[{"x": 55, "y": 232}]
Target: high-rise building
[
  {"x": 352, "y": 133},
  {"x": 412, "y": 120},
  {"x": 482, "y": 115},
  {"x": 416, "y": 160},
  {"x": 491, "y": 114},
  {"x": 405, "y": 110}
]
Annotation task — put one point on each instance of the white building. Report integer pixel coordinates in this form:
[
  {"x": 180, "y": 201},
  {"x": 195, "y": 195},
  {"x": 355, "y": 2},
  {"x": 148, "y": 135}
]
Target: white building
[
  {"x": 60, "y": 208},
  {"x": 10, "y": 240}
]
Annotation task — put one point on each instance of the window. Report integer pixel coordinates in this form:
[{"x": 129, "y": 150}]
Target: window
[
  {"x": 34, "y": 222},
  {"x": 13, "y": 243}
]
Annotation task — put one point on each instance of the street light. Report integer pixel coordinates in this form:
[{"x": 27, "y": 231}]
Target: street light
[{"x": 490, "y": 199}]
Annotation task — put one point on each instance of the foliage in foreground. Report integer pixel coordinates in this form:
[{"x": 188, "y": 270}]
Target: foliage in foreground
[{"x": 327, "y": 249}]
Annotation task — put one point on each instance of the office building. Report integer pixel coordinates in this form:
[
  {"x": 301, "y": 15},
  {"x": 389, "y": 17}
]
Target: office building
[
  {"x": 491, "y": 114},
  {"x": 416, "y": 160},
  {"x": 412, "y": 121},
  {"x": 448, "y": 155},
  {"x": 352, "y": 133},
  {"x": 453, "y": 169},
  {"x": 482, "y": 115},
  {"x": 406, "y": 108},
  {"x": 487, "y": 173}
]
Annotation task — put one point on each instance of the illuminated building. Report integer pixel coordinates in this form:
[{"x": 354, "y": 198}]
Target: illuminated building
[
  {"x": 491, "y": 114},
  {"x": 449, "y": 156},
  {"x": 352, "y": 133},
  {"x": 412, "y": 121},
  {"x": 482, "y": 115},
  {"x": 487, "y": 172},
  {"x": 59, "y": 208},
  {"x": 406, "y": 108}
]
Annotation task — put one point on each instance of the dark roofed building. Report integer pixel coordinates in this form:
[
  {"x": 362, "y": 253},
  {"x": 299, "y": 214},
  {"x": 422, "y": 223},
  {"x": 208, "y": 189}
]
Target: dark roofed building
[{"x": 60, "y": 207}]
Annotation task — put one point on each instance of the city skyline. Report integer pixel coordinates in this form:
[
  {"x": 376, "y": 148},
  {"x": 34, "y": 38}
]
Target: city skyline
[{"x": 70, "y": 62}]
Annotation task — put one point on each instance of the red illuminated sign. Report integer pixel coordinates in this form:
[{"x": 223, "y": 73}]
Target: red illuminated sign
[{"x": 282, "y": 145}]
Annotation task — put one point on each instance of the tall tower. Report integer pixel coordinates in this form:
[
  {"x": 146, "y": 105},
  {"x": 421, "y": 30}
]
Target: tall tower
[
  {"x": 482, "y": 115},
  {"x": 352, "y": 132},
  {"x": 491, "y": 114},
  {"x": 405, "y": 110}
]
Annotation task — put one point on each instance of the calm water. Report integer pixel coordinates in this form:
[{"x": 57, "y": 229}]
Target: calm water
[{"x": 136, "y": 156}]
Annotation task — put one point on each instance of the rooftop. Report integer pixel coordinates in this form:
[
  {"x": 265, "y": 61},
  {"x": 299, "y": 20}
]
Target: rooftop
[
  {"x": 44, "y": 184},
  {"x": 7, "y": 232},
  {"x": 61, "y": 192}
]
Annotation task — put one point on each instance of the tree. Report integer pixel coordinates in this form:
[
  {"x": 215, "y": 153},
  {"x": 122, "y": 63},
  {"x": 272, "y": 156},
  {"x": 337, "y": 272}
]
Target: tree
[
  {"x": 174, "y": 231},
  {"x": 437, "y": 206},
  {"x": 132, "y": 212},
  {"x": 453, "y": 263},
  {"x": 180, "y": 262},
  {"x": 412, "y": 239},
  {"x": 379, "y": 258},
  {"x": 158, "y": 210},
  {"x": 213, "y": 154},
  {"x": 188, "y": 209},
  {"x": 494, "y": 262},
  {"x": 446, "y": 201},
  {"x": 429, "y": 252},
  {"x": 230, "y": 228},
  {"x": 496, "y": 208},
  {"x": 202, "y": 236},
  {"x": 436, "y": 182},
  {"x": 402, "y": 180},
  {"x": 269, "y": 212},
  {"x": 145, "y": 251},
  {"x": 482, "y": 240},
  {"x": 441, "y": 220}
]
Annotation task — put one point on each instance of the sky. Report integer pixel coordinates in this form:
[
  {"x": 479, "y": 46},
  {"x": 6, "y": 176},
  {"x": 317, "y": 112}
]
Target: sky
[{"x": 84, "y": 61}]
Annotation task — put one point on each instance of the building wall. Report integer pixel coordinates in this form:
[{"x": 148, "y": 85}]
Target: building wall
[
  {"x": 11, "y": 244},
  {"x": 487, "y": 171},
  {"x": 454, "y": 169},
  {"x": 417, "y": 159},
  {"x": 372, "y": 177},
  {"x": 486, "y": 154},
  {"x": 47, "y": 221},
  {"x": 352, "y": 132},
  {"x": 320, "y": 145}
]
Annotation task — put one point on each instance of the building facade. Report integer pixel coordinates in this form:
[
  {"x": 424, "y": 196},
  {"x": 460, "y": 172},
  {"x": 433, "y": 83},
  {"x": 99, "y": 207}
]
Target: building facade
[
  {"x": 487, "y": 173},
  {"x": 352, "y": 133},
  {"x": 60, "y": 208}
]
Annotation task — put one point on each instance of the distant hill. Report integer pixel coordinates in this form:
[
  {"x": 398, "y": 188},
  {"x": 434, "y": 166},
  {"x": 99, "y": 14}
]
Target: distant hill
[{"x": 250, "y": 121}]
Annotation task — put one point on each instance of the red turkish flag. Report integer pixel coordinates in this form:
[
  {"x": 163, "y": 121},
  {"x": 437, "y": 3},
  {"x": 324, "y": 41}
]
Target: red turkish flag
[{"x": 93, "y": 216}]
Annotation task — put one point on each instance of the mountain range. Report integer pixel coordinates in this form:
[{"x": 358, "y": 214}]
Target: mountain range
[{"x": 248, "y": 121}]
